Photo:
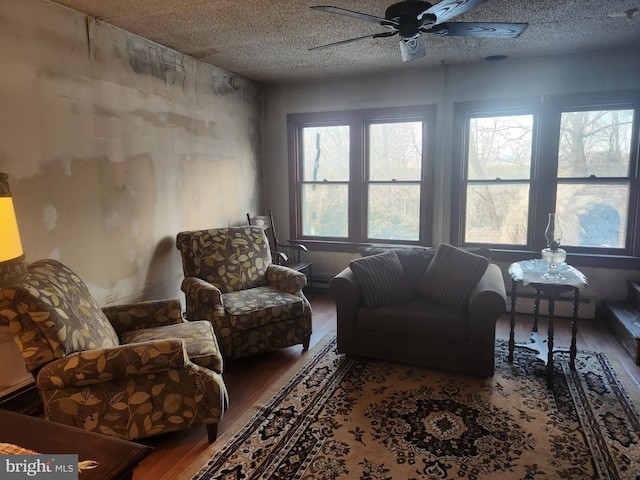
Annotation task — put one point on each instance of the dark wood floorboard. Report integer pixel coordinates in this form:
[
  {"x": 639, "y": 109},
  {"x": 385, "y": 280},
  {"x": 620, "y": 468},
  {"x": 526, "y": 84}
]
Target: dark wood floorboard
[{"x": 249, "y": 380}]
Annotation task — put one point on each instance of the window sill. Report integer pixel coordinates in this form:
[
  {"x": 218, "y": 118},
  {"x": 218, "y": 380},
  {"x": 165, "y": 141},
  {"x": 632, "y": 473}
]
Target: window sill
[{"x": 510, "y": 256}]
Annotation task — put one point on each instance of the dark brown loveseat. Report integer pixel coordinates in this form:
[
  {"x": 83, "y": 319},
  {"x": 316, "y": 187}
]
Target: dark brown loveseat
[{"x": 445, "y": 318}]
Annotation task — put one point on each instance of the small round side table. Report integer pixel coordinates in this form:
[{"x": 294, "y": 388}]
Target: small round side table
[{"x": 531, "y": 273}]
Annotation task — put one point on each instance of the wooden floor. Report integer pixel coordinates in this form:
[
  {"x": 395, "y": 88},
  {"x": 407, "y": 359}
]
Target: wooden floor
[{"x": 251, "y": 379}]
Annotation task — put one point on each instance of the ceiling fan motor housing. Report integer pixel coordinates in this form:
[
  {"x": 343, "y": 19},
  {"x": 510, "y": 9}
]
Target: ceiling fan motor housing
[{"x": 405, "y": 15}]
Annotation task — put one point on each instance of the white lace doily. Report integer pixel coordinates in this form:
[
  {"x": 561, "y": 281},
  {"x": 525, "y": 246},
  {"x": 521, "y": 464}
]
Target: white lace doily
[{"x": 532, "y": 271}]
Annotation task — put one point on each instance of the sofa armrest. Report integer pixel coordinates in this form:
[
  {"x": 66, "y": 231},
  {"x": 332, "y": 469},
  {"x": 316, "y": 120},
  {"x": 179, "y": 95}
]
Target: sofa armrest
[
  {"x": 204, "y": 301},
  {"x": 155, "y": 313},
  {"x": 285, "y": 279},
  {"x": 104, "y": 365},
  {"x": 345, "y": 291},
  {"x": 201, "y": 290},
  {"x": 488, "y": 299}
]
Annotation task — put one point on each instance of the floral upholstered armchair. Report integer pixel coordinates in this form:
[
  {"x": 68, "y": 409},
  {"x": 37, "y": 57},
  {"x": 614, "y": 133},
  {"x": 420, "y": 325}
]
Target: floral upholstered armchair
[
  {"x": 254, "y": 305},
  {"x": 127, "y": 371}
]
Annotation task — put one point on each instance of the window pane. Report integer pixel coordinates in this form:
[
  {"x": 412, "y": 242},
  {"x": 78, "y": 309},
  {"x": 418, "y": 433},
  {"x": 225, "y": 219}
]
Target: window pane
[
  {"x": 326, "y": 153},
  {"x": 497, "y": 214},
  {"x": 394, "y": 212},
  {"x": 593, "y": 215},
  {"x": 395, "y": 151},
  {"x": 500, "y": 147},
  {"x": 325, "y": 211},
  {"x": 595, "y": 143}
]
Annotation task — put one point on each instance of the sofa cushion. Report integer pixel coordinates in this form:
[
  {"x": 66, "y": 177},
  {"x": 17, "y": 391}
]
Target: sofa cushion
[
  {"x": 415, "y": 318},
  {"x": 416, "y": 260},
  {"x": 199, "y": 340},
  {"x": 382, "y": 279},
  {"x": 257, "y": 307},
  {"x": 452, "y": 276}
]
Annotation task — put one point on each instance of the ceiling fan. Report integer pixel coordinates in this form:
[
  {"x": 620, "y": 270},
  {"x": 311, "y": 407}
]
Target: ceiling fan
[{"x": 410, "y": 18}]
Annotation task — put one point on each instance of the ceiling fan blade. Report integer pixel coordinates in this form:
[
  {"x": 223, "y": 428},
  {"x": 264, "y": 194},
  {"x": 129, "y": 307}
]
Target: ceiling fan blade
[
  {"x": 375, "y": 35},
  {"x": 472, "y": 29},
  {"x": 447, "y": 9},
  {"x": 385, "y": 34},
  {"x": 412, "y": 48},
  {"x": 361, "y": 16}
]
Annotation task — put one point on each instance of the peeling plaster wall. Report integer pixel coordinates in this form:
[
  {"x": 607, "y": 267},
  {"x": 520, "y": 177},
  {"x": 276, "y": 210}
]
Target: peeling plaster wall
[{"x": 113, "y": 144}]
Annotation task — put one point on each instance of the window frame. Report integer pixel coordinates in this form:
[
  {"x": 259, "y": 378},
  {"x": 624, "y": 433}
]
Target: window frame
[
  {"x": 547, "y": 113},
  {"x": 359, "y": 121}
]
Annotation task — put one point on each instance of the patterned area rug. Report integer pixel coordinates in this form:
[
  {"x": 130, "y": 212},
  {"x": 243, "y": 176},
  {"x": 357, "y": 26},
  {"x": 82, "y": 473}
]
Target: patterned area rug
[{"x": 344, "y": 418}]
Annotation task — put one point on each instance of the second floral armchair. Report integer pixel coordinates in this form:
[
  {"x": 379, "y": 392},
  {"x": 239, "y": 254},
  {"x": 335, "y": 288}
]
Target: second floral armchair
[{"x": 254, "y": 305}]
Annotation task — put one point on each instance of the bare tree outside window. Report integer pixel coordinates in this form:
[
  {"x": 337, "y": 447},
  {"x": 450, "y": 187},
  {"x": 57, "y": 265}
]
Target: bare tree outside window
[
  {"x": 395, "y": 171},
  {"x": 362, "y": 176},
  {"x": 498, "y": 179},
  {"x": 588, "y": 184},
  {"x": 594, "y": 177},
  {"x": 325, "y": 172}
]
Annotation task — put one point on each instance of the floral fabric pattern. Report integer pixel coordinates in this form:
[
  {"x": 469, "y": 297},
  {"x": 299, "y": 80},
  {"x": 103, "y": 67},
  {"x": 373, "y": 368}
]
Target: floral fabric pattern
[
  {"x": 94, "y": 367},
  {"x": 150, "y": 314},
  {"x": 55, "y": 315},
  {"x": 199, "y": 340},
  {"x": 253, "y": 305},
  {"x": 89, "y": 379},
  {"x": 261, "y": 306},
  {"x": 168, "y": 398},
  {"x": 231, "y": 259},
  {"x": 285, "y": 279}
]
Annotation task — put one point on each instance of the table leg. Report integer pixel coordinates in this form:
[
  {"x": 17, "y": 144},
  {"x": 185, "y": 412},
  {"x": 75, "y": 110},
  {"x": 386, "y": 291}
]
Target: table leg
[
  {"x": 536, "y": 311},
  {"x": 574, "y": 329},
  {"x": 512, "y": 323},
  {"x": 550, "y": 341}
]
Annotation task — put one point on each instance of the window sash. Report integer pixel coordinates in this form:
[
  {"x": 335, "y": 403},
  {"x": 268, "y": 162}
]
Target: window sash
[
  {"x": 329, "y": 216},
  {"x": 393, "y": 220},
  {"x": 358, "y": 184},
  {"x": 545, "y": 181}
]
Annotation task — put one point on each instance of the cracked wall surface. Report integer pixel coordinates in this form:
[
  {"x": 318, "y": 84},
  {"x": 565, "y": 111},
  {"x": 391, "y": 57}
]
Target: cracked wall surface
[{"x": 113, "y": 144}]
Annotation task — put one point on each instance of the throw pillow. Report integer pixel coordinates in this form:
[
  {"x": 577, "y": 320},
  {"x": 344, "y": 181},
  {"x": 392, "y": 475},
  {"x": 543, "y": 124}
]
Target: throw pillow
[
  {"x": 382, "y": 280},
  {"x": 452, "y": 276},
  {"x": 414, "y": 260}
]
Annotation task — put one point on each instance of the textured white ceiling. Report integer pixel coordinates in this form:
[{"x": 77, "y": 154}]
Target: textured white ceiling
[{"x": 268, "y": 40}]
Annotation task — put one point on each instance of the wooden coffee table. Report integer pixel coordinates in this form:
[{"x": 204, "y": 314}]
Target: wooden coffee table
[{"x": 116, "y": 458}]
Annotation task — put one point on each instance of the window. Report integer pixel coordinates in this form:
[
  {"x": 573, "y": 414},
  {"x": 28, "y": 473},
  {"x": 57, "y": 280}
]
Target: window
[
  {"x": 570, "y": 155},
  {"x": 325, "y": 181},
  {"x": 594, "y": 177},
  {"x": 362, "y": 176},
  {"x": 498, "y": 179},
  {"x": 393, "y": 184}
]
